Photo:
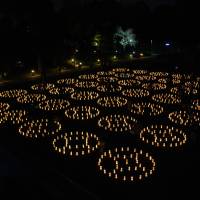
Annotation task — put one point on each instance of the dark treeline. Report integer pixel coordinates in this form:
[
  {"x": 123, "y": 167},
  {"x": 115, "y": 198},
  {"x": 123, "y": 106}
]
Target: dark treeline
[{"x": 36, "y": 32}]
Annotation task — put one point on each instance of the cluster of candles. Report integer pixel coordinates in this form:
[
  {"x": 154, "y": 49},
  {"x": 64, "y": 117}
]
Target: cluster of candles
[
  {"x": 163, "y": 136},
  {"x": 107, "y": 79},
  {"x": 196, "y": 104},
  {"x": 175, "y": 90},
  {"x": 42, "y": 86},
  {"x": 14, "y": 116},
  {"x": 12, "y": 93},
  {"x": 176, "y": 81},
  {"x": 60, "y": 91},
  {"x": 4, "y": 106},
  {"x": 124, "y": 75},
  {"x": 125, "y": 164},
  {"x": 184, "y": 118},
  {"x": 88, "y": 76},
  {"x": 76, "y": 143},
  {"x": 129, "y": 82},
  {"x": 109, "y": 88},
  {"x": 140, "y": 72},
  {"x": 166, "y": 98},
  {"x": 31, "y": 98},
  {"x": 137, "y": 93},
  {"x": 117, "y": 123},
  {"x": 54, "y": 104},
  {"x": 177, "y": 76},
  {"x": 112, "y": 102},
  {"x": 82, "y": 112},
  {"x": 39, "y": 128},
  {"x": 67, "y": 81},
  {"x": 84, "y": 95},
  {"x": 159, "y": 74},
  {"x": 190, "y": 90},
  {"x": 86, "y": 84},
  {"x": 106, "y": 73},
  {"x": 162, "y": 80},
  {"x": 145, "y": 78},
  {"x": 121, "y": 70},
  {"x": 146, "y": 108},
  {"x": 159, "y": 86}
]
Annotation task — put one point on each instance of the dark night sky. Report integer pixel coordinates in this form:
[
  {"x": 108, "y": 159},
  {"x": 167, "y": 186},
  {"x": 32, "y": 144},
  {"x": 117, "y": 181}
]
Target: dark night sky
[{"x": 151, "y": 3}]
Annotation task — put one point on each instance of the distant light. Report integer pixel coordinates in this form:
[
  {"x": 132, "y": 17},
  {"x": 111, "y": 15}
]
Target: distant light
[
  {"x": 133, "y": 52},
  {"x": 77, "y": 65},
  {"x": 167, "y": 44},
  {"x": 116, "y": 51},
  {"x": 141, "y": 54},
  {"x": 32, "y": 71},
  {"x": 115, "y": 57},
  {"x": 76, "y": 50},
  {"x": 94, "y": 51},
  {"x": 72, "y": 59},
  {"x": 80, "y": 63},
  {"x": 131, "y": 55},
  {"x": 98, "y": 60}
]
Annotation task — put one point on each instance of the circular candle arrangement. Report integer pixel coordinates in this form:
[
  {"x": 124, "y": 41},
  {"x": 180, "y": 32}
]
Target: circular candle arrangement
[
  {"x": 4, "y": 106},
  {"x": 158, "y": 73},
  {"x": 82, "y": 113},
  {"x": 125, "y": 75},
  {"x": 162, "y": 80},
  {"x": 109, "y": 88},
  {"x": 107, "y": 79},
  {"x": 54, "y": 104},
  {"x": 62, "y": 90},
  {"x": 112, "y": 101},
  {"x": 31, "y": 98},
  {"x": 190, "y": 90},
  {"x": 85, "y": 95},
  {"x": 14, "y": 116},
  {"x": 145, "y": 78},
  {"x": 176, "y": 81},
  {"x": 129, "y": 82},
  {"x": 121, "y": 70},
  {"x": 184, "y": 118},
  {"x": 39, "y": 128},
  {"x": 177, "y": 76},
  {"x": 67, "y": 81},
  {"x": 175, "y": 90},
  {"x": 196, "y": 104},
  {"x": 146, "y": 108},
  {"x": 76, "y": 143},
  {"x": 137, "y": 93},
  {"x": 159, "y": 86},
  {"x": 88, "y": 76},
  {"x": 117, "y": 123},
  {"x": 123, "y": 164},
  {"x": 42, "y": 86},
  {"x": 166, "y": 98},
  {"x": 108, "y": 73},
  {"x": 12, "y": 93},
  {"x": 163, "y": 136},
  {"x": 146, "y": 85},
  {"x": 86, "y": 84},
  {"x": 140, "y": 72}
]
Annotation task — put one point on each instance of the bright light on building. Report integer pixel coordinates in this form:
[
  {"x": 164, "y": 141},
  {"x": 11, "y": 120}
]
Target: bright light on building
[
  {"x": 98, "y": 60},
  {"x": 32, "y": 71},
  {"x": 80, "y": 63},
  {"x": 72, "y": 59}
]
